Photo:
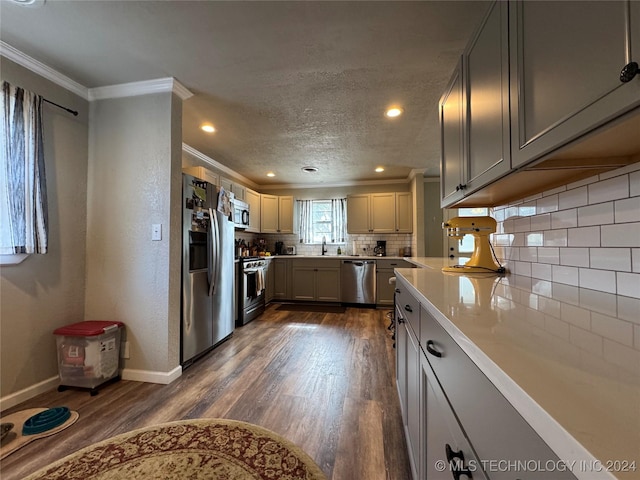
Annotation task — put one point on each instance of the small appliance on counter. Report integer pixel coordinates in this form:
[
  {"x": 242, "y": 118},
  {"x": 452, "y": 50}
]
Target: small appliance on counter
[
  {"x": 380, "y": 250},
  {"x": 483, "y": 259},
  {"x": 279, "y": 248},
  {"x": 290, "y": 250}
]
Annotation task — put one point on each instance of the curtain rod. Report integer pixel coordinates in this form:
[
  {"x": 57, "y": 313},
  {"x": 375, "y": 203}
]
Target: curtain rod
[{"x": 75, "y": 113}]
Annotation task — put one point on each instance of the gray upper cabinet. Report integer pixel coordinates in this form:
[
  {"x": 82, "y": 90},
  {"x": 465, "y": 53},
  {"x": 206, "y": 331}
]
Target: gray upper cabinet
[
  {"x": 486, "y": 74},
  {"x": 474, "y": 111},
  {"x": 451, "y": 114},
  {"x": 566, "y": 60}
]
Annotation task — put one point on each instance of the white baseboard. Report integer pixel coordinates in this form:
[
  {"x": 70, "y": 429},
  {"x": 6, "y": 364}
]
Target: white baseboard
[
  {"x": 25, "y": 394},
  {"x": 163, "y": 378}
]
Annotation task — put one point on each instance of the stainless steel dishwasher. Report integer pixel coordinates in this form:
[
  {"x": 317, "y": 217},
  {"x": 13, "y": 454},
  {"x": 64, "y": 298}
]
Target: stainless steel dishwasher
[{"x": 358, "y": 281}]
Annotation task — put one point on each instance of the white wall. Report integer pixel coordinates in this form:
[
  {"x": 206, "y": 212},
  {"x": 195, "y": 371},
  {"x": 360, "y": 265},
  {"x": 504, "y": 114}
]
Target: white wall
[{"x": 47, "y": 291}]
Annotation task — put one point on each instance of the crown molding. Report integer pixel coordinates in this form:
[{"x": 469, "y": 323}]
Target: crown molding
[
  {"x": 43, "y": 70},
  {"x": 223, "y": 168},
  {"x": 146, "y": 87},
  {"x": 353, "y": 183}
]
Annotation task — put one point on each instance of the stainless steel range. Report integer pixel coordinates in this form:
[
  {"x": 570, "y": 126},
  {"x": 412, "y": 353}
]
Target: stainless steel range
[{"x": 251, "y": 287}]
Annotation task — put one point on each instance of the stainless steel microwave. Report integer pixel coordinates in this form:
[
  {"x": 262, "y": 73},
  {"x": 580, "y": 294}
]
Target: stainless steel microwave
[{"x": 240, "y": 213}]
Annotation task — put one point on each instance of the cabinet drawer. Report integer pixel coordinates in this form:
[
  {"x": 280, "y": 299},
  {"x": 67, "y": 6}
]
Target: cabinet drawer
[
  {"x": 410, "y": 308},
  {"x": 390, "y": 263},
  {"x": 488, "y": 419}
]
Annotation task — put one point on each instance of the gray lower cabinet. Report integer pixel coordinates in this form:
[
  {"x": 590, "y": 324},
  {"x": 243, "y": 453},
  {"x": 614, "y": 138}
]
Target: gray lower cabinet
[
  {"x": 317, "y": 281},
  {"x": 281, "y": 272},
  {"x": 270, "y": 280},
  {"x": 384, "y": 271},
  {"x": 455, "y": 420}
]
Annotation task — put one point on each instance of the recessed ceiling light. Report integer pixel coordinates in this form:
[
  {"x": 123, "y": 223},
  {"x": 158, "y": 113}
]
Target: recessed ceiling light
[
  {"x": 310, "y": 169},
  {"x": 394, "y": 112},
  {"x": 207, "y": 127},
  {"x": 379, "y": 169},
  {"x": 271, "y": 174}
]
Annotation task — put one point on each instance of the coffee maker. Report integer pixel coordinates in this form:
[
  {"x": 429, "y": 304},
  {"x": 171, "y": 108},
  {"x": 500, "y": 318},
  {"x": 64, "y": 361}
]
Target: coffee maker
[
  {"x": 279, "y": 248},
  {"x": 380, "y": 249}
]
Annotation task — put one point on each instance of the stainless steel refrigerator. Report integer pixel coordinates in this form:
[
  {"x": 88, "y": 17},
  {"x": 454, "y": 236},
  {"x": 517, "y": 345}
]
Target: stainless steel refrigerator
[{"x": 207, "y": 268}]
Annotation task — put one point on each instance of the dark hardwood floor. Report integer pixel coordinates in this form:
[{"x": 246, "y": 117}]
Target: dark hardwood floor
[{"x": 325, "y": 381}]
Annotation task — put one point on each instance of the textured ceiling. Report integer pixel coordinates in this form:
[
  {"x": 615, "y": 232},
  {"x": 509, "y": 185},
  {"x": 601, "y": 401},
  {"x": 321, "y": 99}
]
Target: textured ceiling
[{"x": 287, "y": 84}]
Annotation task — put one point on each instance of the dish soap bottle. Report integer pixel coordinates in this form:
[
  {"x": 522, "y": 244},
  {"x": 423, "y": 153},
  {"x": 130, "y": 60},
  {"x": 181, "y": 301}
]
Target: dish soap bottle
[{"x": 339, "y": 251}]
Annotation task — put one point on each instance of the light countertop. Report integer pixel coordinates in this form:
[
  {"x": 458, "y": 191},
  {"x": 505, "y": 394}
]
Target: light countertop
[
  {"x": 565, "y": 357},
  {"x": 339, "y": 257}
]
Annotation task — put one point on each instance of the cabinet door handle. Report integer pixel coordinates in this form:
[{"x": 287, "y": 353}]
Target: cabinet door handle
[
  {"x": 408, "y": 308},
  {"x": 629, "y": 71},
  {"x": 397, "y": 290},
  {"x": 456, "y": 463},
  {"x": 400, "y": 319},
  {"x": 432, "y": 350}
]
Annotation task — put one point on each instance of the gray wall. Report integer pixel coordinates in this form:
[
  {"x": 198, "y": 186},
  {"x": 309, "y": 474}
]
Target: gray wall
[
  {"x": 134, "y": 182},
  {"x": 47, "y": 291},
  {"x": 433, "y": 236}
]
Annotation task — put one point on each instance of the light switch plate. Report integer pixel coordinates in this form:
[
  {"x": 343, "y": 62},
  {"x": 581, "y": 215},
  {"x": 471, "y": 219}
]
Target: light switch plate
[{"x": 156, "y": 232}]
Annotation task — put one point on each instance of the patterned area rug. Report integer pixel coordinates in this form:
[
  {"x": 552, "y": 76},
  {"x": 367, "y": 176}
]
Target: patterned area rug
[{"x": 213, "y": 449}]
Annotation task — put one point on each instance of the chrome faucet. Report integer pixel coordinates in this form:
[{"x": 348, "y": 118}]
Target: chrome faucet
[{"x": 324, "y": 245}]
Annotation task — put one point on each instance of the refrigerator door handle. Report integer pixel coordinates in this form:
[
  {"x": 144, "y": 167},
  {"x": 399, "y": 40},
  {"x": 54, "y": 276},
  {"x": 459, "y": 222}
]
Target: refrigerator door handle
[{"x": 214, "y": 254}]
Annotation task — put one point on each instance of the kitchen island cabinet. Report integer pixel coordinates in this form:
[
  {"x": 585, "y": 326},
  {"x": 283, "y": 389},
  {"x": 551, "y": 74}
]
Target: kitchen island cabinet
[
  {"x": 519, "y": 388},
  {"x": 384, "y": 271}
]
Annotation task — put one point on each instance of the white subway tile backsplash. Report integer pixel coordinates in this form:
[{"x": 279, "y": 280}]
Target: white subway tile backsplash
[
  {"x": 621, "y": 235},
  {"x": 567, "y": 275},
  {"x": 611, "y": 189},
  {"x": 529, "y": 254},
  {"x": 522, "y": 225},
  {"x": 610, "y": 259},
  {"x": 628, "y": 309},
  {"x": 575, "y": 257},
  {"x": 549, "y": 255},
  {"x": 555, "y": 238},
  {"x": 584, "y": 237},
  {"x": 576, "y": 197},
  {"x": 634, "y": 183},
  {"x": 627, "y": 210},
  {"x": 541, "y": 271},
  {"x": 598, "y": 214},
  {"x": 541, "y": 222},
  {"x": 534, "y": 239},
  {"x": 602, "y": 280},
  {"x": 628, "y": 284},
  {"x": 564, "y": 219},
  {"x": 547, "y": 204},
  {"x": 523, "y": 268}
]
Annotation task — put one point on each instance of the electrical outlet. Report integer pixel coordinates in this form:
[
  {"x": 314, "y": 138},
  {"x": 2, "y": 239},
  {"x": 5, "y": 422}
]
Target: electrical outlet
[
  {"x": 156, "y": 232},
  {"x": 124, "y": 350}
]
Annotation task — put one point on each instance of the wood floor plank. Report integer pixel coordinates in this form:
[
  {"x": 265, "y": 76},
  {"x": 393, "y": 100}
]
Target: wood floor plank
[{"x": 325, "y": 381}]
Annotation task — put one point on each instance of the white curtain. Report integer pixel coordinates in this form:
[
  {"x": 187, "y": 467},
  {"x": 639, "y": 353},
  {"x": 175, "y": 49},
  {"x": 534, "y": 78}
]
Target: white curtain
[
  {"x": 339, "y": 219},
  {"x": 305, "y": 209},
  {"x": 23, "y": 196}
]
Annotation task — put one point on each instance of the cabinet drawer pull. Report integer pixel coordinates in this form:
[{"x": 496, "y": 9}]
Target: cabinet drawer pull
[
  {"x": 408, "y": 308},
  {"x": 397, "y": 290},
  {"x": 456, "y": 463},
  {"x": 432, "y": 350}
]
